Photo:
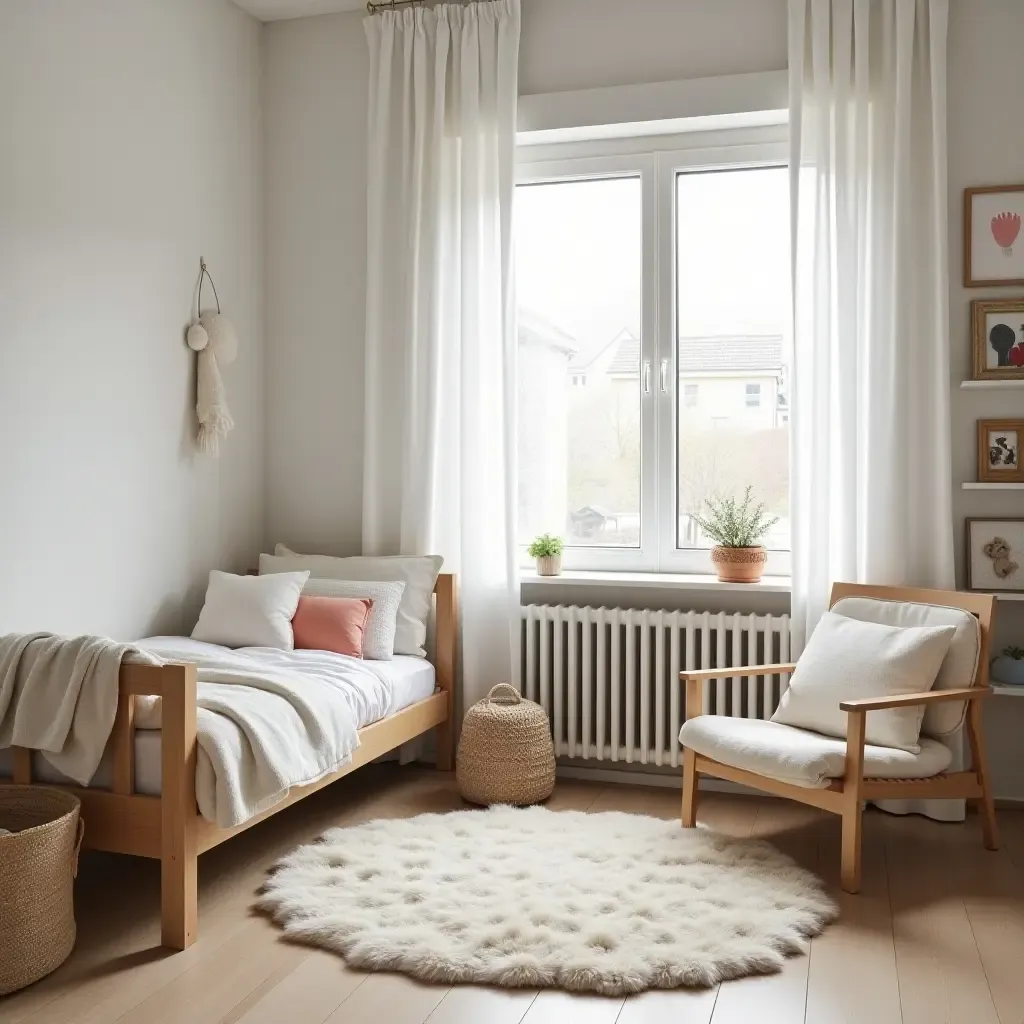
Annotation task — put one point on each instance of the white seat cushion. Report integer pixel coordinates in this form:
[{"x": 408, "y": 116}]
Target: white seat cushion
[
  {"x": 800, "y": 757},
  {"x": 958, "y": 667}
]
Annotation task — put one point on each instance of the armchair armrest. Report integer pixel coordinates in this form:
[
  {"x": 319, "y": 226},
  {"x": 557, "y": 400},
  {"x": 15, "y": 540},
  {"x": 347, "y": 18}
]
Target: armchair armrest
[
  {"x": 695, "y": 691},
  {"x": 904, "y": 700},
  {"x": 738, "y": 670}
]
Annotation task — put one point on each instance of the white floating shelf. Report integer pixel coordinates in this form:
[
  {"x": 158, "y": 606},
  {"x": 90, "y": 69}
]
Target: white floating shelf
[
  {"x": 970, "y": 385},
  {"x": 1008, "y": 691},
  {"x": 993, "y": 487},
  {"x": 1009, "y": 595}
]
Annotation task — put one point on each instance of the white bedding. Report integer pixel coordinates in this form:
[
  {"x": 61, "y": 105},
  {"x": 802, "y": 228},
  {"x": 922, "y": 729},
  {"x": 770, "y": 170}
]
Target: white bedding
[{"x": 368, "y": 692}]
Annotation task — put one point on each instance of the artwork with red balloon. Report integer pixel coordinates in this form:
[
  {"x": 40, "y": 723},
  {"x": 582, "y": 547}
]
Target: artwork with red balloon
[{"x": 993, "y": 243}]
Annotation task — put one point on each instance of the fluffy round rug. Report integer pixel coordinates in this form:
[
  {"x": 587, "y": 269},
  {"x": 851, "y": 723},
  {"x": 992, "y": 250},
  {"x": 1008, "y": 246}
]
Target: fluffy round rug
[{"x": 609, "y": 903}]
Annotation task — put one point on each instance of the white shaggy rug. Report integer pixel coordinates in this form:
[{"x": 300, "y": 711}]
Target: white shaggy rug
[{"x": 609, "y": 903}]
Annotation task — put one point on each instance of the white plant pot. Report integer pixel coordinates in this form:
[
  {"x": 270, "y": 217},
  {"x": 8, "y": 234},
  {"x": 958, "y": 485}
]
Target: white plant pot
[{"x": 549, "y": 565}]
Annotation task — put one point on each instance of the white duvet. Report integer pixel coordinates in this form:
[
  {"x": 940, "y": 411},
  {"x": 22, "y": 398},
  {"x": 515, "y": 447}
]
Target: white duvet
[{"x": 269, "y": 720}]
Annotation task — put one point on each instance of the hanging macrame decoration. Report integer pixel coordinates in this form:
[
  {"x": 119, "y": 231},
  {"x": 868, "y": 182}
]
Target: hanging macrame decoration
[{"x": 213, "y": 337}]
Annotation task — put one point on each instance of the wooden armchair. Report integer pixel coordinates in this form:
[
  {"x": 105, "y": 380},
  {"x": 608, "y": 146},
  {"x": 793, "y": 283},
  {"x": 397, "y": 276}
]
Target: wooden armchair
[{"x": 838, "y": 776}]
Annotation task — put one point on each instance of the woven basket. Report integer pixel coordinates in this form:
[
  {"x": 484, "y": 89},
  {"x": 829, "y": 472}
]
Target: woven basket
[
  {"x": 505, "y": 752},
  {"x": 38, "y": 864}
]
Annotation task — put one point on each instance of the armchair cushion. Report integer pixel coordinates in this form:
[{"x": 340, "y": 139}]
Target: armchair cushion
[
  {"x": 800, "y": 757},
  {"x": 960, "y": 665},
  {"x": 849, "y": 658}
]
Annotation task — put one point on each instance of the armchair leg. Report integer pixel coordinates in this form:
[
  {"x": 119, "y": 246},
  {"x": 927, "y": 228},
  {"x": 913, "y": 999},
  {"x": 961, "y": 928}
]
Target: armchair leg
[
  {"x": 853, "y": 808},
  {"x": 979, "y": 763},
  {"x": 850, "y": 865},
  {"x": 689, "y": 811}
]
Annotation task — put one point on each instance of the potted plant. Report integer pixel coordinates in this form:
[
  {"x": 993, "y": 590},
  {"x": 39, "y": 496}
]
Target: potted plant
[
  {"x": 1009, "y": 666},
  {"x": 548, "y": 552},
  {"x": 737, "y": 526}
]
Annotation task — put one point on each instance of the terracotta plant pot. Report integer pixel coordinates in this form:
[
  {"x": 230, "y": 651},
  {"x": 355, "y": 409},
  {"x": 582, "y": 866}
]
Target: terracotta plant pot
[
  {"x": 739, "y": 565},
  {"x": 549, "y": 565}
]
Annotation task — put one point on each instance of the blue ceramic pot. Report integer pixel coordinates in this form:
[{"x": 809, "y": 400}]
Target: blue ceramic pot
[{"x": 1008, "y": 670}]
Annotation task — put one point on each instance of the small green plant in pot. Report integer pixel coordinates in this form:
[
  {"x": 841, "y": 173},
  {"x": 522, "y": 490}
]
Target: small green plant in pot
[
  {"x": 1008, "y": 667},
  {"x": 738, "y": 526},
  {"x": 547, "y": 549}
]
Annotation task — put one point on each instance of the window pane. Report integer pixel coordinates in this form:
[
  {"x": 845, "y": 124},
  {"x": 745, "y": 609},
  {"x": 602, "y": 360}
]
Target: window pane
[
  {"x": 578, "y": 265},
  {"x": 732, "y": 294}
]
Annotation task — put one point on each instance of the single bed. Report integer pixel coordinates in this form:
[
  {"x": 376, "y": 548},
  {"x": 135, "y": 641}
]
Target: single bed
[{"x": 142, "y": 801}]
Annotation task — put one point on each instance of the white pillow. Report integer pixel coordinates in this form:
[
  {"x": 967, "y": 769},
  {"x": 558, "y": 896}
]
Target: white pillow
[
  {"x": 379, "y": 631},
  {"x": 250, "y": 611},
  {"x": 418, "y": 572},
  {"x": 846, "y": 659}
]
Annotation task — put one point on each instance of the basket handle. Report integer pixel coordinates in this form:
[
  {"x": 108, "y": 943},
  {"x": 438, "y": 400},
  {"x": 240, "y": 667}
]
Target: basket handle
[
  {"x": 508, "y": 694},
  {"x": 79, "y": 836}
]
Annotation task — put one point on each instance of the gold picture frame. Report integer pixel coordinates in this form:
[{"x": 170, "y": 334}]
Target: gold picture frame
[
  {"x": 993, "y": 236},
  {"x": 999, "y": 444},
  {"x": 997, "y": 339}
]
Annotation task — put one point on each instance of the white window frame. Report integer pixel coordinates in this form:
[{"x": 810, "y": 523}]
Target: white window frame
[{"x": 656, "y": 161}]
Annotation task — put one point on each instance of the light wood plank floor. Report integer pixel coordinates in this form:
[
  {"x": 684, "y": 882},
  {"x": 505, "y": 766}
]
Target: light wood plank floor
[{"x": 936, "y": 936}]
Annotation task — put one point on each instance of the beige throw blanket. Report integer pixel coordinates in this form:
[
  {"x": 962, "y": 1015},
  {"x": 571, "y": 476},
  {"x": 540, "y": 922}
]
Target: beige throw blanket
[{"x": 58, "y": 695}]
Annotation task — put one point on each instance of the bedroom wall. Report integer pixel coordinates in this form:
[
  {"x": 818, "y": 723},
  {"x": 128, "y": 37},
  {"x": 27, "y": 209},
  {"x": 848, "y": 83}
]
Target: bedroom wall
[
  {"x": 131, "y": 147},
  {"x": 986, "y": 83},
  {"x": 315, "y": 100},
  {"x": 315, "y": 94}
]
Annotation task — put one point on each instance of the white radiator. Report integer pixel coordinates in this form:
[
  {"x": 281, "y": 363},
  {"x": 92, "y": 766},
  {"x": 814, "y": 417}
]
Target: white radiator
[{"x": 609, "y": 677}]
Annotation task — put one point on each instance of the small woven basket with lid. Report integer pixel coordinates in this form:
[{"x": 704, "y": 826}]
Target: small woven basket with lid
[
  {"x": 505, "y": 751},
  {"x": 38, "y": 863}
]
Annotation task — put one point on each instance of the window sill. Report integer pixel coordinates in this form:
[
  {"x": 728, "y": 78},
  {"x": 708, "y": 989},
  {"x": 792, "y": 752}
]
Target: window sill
[{"x": 662, "y": 580}]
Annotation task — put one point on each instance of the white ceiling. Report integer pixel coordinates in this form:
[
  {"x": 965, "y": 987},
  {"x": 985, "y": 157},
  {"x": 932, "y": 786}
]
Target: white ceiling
[{"x": 274, "y": 10}]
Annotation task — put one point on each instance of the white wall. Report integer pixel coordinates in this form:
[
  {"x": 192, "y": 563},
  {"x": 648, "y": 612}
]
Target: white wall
[
  {"x": 130, "y": 147},
  {"x": 986, "y": 86},
  {"x": 315, "y": 132},
  {"x": 315, "y": 95}
]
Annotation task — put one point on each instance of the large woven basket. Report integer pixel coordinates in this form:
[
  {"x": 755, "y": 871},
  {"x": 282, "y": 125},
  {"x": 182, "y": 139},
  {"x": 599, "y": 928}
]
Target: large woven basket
[
  {"x": 38, "y": 864},
  {"x": 505, "y": 752}
]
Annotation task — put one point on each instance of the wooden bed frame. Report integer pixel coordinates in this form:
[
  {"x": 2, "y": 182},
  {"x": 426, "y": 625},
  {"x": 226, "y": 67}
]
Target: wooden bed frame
[{"x": 169, "y": 827}]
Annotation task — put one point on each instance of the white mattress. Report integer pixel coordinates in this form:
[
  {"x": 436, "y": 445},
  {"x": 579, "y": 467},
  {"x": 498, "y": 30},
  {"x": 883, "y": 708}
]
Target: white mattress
[{"x": 408, "y": 680}]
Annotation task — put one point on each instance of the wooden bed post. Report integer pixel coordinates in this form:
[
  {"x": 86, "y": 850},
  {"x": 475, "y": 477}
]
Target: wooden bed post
[
  {"x": 179, "y": 895},
  {"x": 445, "y": 631}
]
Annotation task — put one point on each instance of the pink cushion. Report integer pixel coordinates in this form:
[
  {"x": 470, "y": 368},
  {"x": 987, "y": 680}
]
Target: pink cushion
[{"x": 331, "y": 624}]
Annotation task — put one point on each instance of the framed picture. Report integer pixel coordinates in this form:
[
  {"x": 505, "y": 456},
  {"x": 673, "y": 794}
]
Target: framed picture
[
  {"x": 993, "y": 243},
  {"x": 999, "y": 444},
  {"x": 997, "y": 338},
  {"x": 995, "y": 555}
]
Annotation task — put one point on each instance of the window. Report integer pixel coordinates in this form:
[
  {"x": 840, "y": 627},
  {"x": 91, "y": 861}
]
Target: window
[{"x": 660, "y": 281}]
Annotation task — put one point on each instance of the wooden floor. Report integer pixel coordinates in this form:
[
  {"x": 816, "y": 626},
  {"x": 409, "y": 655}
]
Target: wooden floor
[{"x": 936, "y": 936}]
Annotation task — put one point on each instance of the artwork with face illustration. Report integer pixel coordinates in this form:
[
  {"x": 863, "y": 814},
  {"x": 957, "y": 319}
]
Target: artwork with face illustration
[{"x": 997, "y": 333}]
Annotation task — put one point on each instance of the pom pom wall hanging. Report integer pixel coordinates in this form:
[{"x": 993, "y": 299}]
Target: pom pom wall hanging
[{"x": 213, "y": 337}]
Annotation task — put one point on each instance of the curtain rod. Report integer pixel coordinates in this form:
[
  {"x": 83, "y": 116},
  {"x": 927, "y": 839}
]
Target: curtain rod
[{"x": 392, "y": 5}]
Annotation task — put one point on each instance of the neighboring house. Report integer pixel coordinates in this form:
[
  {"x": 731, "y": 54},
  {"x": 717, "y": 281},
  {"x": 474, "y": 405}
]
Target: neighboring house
[{"x": 727, "y": 378}]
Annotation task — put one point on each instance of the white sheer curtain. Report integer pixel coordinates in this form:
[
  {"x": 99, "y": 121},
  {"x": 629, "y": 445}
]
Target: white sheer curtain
[
  {"x": 440, "y": 348},
  {"x": 871, "y": 482}
]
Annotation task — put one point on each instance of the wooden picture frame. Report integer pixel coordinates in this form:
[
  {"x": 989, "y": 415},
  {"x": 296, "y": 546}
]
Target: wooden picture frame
[
  {"x": 999, "y": 443},
  {"x": 1005, "y": 318},
  {"x": 993, "y": 239},
  {"x": 988, "y": 572}
]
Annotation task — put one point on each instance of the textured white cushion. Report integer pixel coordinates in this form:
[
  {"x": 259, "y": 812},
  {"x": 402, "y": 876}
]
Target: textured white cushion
[
  {"x": 846, "y": 659},
  {"x": 379, "y": 632},
  {"x": 800, "y": 757},
  {"x": 960, "y": 665},
  {"x": 418, "y": 572},
  {"x": 250, "y": 611}
]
